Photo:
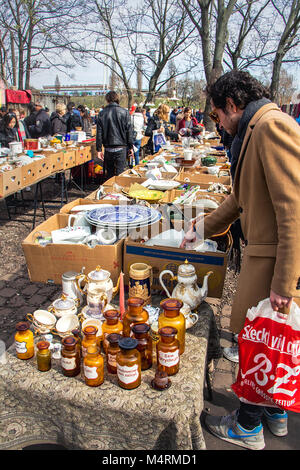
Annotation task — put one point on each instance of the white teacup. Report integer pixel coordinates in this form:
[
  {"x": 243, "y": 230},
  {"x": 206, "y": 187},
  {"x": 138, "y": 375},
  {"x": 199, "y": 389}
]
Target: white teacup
[
  {"x": 65, "y": 325},
  {"x": 78, "y": 219},
  {"x": 42, "y": 320},
  {"x": 188, "y": 154},
  {"x": 190, "y": 317}
]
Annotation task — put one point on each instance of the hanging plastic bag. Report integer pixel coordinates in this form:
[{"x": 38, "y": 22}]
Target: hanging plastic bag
[
  {"x": 158, "y": 140},
  {"x": 269, "y": 358}
]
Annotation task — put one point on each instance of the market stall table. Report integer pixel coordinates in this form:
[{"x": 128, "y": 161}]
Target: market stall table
[{"x": 39, "y": 407}]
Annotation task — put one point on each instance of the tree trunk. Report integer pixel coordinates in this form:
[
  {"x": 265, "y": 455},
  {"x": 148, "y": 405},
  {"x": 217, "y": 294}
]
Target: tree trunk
[{"x": 13, "y": 60}]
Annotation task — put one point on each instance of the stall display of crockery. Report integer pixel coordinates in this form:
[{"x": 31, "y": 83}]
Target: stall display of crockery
[
  {"x": 98, "y": 280},
  {"x": 123, "y": 217},
  {"x": 63, "y": 306},
  {"x": 42, "y": 321},
  {"x": 187, "y": 289}
]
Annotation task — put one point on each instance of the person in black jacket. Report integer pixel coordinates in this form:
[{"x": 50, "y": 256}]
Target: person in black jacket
[
  {"x": 30, "y": 120},
  {"x": 58, "y": 120},
  {"x": 8, "y": 130},
  {"x": 73, "y": 117},
  {"x": 114, "y": 133},
  {"x": 159, "y": 121},
  {"x": 42, "y": 126}
]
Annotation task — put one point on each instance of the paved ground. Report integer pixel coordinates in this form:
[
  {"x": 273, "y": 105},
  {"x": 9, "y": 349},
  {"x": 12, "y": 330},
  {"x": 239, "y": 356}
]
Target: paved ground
[{"x": 19, "y": 296}]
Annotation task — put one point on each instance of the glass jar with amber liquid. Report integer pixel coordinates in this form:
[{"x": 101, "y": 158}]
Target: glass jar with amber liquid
[
  {"x": 112, "y": 324},
  {"x": 89, "y": 338},
  {"x": 24, "y": 341},
  {"x": 93, "y": 366},
  {"x": 128, "y": 364},
  {"x": 168, "y": 355},
  {"x": 134, "y": 314},
  {"x": 70, "y": 357},
  {"x": 43, "y": 356},
  {"x": 141, "y": 334},
  {"x": 112, "y": 351},
  {"x": 172, "y": 316}
]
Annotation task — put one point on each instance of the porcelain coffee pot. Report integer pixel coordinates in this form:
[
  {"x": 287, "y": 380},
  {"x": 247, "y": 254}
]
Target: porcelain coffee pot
[
  {"x": 98, "y": 281},
  {"x": 187, "y": 289}
]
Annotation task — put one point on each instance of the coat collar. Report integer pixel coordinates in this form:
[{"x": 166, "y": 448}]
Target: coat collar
[{"x": 257, "y": 116}]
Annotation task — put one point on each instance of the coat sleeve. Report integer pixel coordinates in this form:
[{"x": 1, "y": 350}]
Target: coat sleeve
[
  {"x": 280, "y": 158},
  {"x": 99, "y": 134},
  {"x": 219, "y": 219}
]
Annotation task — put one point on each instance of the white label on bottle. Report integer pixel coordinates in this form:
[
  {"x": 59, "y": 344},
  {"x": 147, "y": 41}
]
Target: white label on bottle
[
  {"x": 21, "y": 347},
  {"x": 126, "y": 374},
  {"x": 68, "y": 363},
  {"x": 90, "y": 372},
  {"x": 168, "y": 359},
  {"x": 112, "y": 360}
]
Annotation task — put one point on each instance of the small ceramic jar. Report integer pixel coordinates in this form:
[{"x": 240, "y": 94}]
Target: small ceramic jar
[{"x": 63, "y": 306}]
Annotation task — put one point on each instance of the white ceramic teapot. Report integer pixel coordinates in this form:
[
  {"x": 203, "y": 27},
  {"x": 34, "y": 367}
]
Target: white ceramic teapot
[
  {"x": 97, "y": 281},
  {"x": 187, "y": 289}
]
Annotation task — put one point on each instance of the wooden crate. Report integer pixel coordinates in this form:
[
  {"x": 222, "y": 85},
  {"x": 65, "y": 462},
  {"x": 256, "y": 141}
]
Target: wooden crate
[
  {"x": 69, "y": 159},
  {"x": 10, "y": 182}
]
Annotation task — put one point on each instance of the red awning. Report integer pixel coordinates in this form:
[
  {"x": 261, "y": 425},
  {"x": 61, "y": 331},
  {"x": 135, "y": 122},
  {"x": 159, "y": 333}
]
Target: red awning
[{"x": 18, "y": 96}]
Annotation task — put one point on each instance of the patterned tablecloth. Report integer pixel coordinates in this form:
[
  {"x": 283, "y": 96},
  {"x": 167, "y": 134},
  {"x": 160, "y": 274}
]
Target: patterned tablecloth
[{"x": 39, "y": 407}]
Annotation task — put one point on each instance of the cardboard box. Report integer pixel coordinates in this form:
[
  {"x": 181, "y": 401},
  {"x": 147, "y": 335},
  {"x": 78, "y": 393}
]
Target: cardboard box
[
  {"x": 83, "y": 154},
  {"x": 57, "y": 161},
  {"x": 43, "y": 167},
  {"x": 69, "y": 159},
  {"x": 199, "y": 177},
  {"x": 28, "y": 174},
  {"x": 10, "y": 181},
  {"x": 123, "y": 181},
  {"x": 161, "y": 258},
  {"x": 48, "y": 263}
]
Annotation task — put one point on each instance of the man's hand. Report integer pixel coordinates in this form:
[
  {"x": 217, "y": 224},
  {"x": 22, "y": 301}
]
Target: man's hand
[
  {"x": 131, "y": 153},
  {"x": 279, "y": 301},
  {"x": 100, "y": 155},
  {"x": 190, "y": 236}
]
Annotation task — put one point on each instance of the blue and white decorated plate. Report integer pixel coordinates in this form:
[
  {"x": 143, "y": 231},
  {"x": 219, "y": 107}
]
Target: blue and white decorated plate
[{"x": 121, "y": 215}]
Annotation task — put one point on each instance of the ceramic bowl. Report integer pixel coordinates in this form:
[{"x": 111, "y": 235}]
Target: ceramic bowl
[{"x": 65, "y": 325}]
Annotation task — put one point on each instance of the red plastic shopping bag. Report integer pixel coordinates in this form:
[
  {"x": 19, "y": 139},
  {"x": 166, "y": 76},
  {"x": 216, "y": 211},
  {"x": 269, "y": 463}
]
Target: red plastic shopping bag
[{"x": 269, "y": 358}]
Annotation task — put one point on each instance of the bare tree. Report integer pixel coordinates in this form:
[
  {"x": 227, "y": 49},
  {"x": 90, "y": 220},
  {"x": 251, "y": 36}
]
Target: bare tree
[
  {"x": 210, "y": 18},
  {"x": 160, "y": 33},
  {"x": 289, "y": 13}
]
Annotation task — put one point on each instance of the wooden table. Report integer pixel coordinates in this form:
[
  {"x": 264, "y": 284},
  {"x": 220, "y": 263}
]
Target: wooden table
[{"x": 47, "y": 407}]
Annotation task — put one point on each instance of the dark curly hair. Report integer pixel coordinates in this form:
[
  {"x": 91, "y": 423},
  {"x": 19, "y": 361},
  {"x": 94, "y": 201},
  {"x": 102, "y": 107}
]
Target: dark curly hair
[{"x": 238, "y": 85}]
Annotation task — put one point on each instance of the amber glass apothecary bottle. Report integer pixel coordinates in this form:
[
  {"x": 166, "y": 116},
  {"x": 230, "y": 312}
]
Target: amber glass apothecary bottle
[
  {"x": 24, "y": 341},
  {"x": 89, "y": 339},
  {"x": 93, "y": 366},
  {"x": 112, "y": 324},
  {"x": 128, "y": 364},
  {"x": 171, "y": 316},
  {"x": 43, "y": 356},
  {"x": 70, "y": 357},
  {"x": 168, "y": 356},
  {"x": 141, "y": 334},
  {"x": 134, "y": 314},
  {"x": 112, "y": 351}
]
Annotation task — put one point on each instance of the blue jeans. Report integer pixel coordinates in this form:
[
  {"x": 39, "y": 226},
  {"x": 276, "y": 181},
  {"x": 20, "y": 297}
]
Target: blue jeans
[{"x": 137, "y": 144}]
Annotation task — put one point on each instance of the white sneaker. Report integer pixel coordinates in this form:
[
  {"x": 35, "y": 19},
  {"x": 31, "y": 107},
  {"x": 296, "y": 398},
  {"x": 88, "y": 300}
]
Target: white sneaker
[{"x": 232, "y": 354}]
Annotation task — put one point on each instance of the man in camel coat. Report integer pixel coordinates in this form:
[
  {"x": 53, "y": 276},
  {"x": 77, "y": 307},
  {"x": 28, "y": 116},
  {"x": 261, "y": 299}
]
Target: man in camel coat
[{"x": 265, "y": 197}]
